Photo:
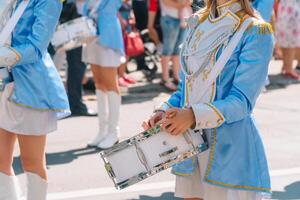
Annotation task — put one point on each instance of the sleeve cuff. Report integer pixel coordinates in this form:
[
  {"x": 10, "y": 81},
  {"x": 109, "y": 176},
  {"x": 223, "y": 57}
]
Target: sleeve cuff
[
  {"x": 163, "y": 107},
  {"x": 207, "y": 116},
  {"x": 9, "y": 56}
]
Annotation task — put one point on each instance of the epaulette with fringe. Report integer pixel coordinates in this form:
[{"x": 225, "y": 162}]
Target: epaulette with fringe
[{"x": 262, "y": 26}]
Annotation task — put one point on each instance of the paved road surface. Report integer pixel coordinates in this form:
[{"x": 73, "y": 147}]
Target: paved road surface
[{"x": 77, "y": 172}]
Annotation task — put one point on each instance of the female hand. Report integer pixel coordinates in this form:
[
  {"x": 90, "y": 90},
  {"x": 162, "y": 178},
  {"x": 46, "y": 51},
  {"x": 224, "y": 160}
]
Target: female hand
[
  {"x": 155, "y": 117},
  {"x": 178, "y": 121}
]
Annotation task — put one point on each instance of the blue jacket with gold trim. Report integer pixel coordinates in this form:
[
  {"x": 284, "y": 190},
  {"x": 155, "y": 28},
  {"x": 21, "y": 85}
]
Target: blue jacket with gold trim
[
  {"x": 37, "y": 83},
  {"x": 237, "y": 158}
]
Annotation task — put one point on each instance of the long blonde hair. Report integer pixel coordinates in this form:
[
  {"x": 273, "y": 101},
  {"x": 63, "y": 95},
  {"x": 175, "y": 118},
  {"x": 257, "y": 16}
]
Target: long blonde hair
[{"x": 246, "y": 5}]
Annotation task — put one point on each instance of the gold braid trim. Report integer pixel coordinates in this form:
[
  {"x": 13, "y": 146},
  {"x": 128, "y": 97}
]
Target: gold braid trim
[
  {"x": 262, "y": 27},
  {"x": 209, "y": 166},
  {"x": 246, "y": 187},
  {"x": 40, "y": 109},
  {"x": 203, "y": 15}
]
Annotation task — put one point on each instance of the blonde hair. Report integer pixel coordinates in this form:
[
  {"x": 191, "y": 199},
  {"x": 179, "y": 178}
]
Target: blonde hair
[{"x": 246, "y": 5}]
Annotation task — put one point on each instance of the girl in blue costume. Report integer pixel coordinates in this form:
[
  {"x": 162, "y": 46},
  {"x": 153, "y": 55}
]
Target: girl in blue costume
[
  {"x": 235, "y": 166},
  {"x": 105, "y": 54},
  {"x": 31, "y": 105}
]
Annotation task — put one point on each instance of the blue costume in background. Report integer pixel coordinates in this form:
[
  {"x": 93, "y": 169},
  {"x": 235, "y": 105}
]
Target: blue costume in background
[
  {"x": 109, "y": 27},
  {"x": 37, "y": 84},
  {"x": 265, "y": 8}
]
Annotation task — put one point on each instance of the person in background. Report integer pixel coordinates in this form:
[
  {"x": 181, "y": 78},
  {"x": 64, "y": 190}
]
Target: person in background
[
  {"x": 288, "y": 35},
  {"x": 277, "y": 50},
  {"x": 126, "y": 17},
  {"x": 153, "y": 25},
  {"x": 105, "y": 54},
  {"x": 184, "y": 13},
  {"x": 76, "y": 68},
  {"x": 173, "y": 36},
  {"x": 31, "y": 105},
  {"x": 265, "y": 8},
  {"x": 140, "y": 8}
]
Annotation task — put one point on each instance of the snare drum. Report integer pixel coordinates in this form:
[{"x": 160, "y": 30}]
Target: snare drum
[
  {"x": 74, "y": 33},
  {"x": 149, "y": 153}
]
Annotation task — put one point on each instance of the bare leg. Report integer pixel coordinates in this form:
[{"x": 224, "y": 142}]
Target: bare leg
[
  {"x": 33, "y": 154},
  {"x": 122, "y": 70},
  {"x": 165, "y": 73},
  {"x": 288, "y": 58},
  {"x": 9, "y": 187},
  {"x": 106, "y": 78},
  {"x": 298, "y": 56},
  {"x": 7, "y": 142},
  {"x": 34, "y": 164},
  {"x": 108, "y": 88},
  {"x": 176, "y": 67},
  {"x": 165, "y": 67}
]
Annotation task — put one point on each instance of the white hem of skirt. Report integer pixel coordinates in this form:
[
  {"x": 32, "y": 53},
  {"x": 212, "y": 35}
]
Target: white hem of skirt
[{"x": 24, "y": 121}]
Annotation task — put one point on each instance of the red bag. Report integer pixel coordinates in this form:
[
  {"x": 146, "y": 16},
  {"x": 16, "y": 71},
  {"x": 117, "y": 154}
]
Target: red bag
[{"x": 134, "y": 45}]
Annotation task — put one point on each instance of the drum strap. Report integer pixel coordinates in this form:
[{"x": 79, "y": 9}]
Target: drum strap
[
  {"x": 225, "y": 56},
  {"x": 12, "y": 22}
]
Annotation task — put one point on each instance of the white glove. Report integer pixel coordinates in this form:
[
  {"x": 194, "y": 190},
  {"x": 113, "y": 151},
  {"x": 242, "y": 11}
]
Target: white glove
[{"x": 8, "y": 56}]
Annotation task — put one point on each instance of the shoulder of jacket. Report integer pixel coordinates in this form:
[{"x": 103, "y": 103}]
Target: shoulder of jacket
[
  {"x": 257, "y": 25},
  {"x": 260, "y": 26},
  {"x": 202, "y": 14}
]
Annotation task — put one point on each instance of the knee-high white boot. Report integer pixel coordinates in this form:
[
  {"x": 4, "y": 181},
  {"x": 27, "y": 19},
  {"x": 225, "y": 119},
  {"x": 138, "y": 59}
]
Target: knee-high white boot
[
  {"x": 102, "y": 117},
  {"x": 114, "y": 103},
  {"x": 36, "y": 187},
  {"x": 9, "y": 188}
]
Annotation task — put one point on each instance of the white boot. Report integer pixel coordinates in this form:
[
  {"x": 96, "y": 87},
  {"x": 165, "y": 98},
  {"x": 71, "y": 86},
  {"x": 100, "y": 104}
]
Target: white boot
[
  {"x": 102, "y": 117},
  {"x": 9, "y": 188},
  {"x": 114, "y": 103},
  {"x": 36, "y": 187}
]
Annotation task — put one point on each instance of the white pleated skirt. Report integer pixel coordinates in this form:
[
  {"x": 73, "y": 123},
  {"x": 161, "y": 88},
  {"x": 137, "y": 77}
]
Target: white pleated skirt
[
  {"x": 94, "y": 53},
  {"x": 24, "y": 121},
  {"x": 195, "y": 187}
]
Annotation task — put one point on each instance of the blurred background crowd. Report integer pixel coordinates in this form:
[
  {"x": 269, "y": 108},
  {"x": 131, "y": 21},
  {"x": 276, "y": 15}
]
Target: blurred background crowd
[{"x": 156, "y": 28}]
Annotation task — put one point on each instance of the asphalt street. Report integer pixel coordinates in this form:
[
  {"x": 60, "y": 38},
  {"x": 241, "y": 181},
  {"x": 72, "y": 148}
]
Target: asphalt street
[{"x": 77, "y": 172}]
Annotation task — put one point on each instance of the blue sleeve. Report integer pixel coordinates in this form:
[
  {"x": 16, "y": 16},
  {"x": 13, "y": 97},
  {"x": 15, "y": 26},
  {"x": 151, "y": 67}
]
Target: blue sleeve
[
  {"x": 265, "y": 8},
  {"x": 46, "y": 13},
  {"x": 249, "y": 77}
]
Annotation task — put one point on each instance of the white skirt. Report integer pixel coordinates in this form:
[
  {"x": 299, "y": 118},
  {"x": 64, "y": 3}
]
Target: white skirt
[
  {"x": 24, "y": 121},
  {"x": 94, "y": 53},
  {"x": 195, "y": 187}
]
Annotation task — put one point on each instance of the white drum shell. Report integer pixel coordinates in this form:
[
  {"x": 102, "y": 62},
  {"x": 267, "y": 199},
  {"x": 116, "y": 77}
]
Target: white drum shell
[
  {"x": 74, "y": 33},
  {"x": 126, "y": 163}
]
